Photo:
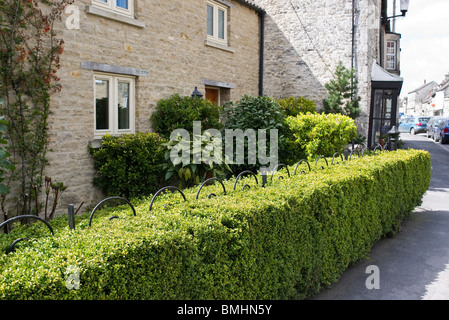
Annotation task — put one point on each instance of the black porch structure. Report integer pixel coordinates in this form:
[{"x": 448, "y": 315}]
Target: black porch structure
[{"x": 385, "y": 90}]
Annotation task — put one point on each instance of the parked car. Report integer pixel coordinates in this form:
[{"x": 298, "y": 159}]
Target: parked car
[
  {"x": 442, "y": 132},
  {"x": 413, "y": 125},
  {"x": 433, "y": 123}
]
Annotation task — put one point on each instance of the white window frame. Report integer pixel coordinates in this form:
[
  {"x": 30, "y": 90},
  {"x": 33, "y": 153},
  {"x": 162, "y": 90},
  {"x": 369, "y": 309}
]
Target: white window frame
[
  {"x": 113, "y": 103},
  {"x": 215, "y": 38},
  {"x": 391, "y": 54},
  {"x": 111, "y": 5}
]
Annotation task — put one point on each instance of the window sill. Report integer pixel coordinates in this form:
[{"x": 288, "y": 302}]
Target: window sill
[
  {"x": 114, "y": 16},
  {"x": 220, "y": 46},
  {"x": 97, "y": 143}
]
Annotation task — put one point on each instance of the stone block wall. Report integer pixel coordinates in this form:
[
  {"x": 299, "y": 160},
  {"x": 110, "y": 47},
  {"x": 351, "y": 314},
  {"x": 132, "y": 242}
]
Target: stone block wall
[{"x": 306, "y": 39}]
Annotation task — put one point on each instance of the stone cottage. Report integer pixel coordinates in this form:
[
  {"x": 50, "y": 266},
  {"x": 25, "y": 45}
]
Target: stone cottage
[
  {"x": 122, "y": 56},
  {"x": 306, "y": 39}
]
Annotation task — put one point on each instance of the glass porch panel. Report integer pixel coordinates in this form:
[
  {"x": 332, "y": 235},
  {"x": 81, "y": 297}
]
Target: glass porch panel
[
  {"x": 210, "y": 20},
  {"x": 379, "y": 131},
  {"x": 388, "y": 105},
  {"x": 378, "y": 104},
  {"x": 123, "y": 105},
  {"x": 383, "y": 104},
  {"x": 101, "y": 104}
]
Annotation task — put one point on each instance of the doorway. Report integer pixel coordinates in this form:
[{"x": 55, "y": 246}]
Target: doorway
[
  {"x": 213, "y": 94},
  {"x": 383, "y": 115}
]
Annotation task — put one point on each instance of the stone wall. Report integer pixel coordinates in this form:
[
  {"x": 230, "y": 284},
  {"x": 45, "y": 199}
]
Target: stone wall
[
  {"x": 306, "y": 39},
  {"x": 165, "y": 43}
]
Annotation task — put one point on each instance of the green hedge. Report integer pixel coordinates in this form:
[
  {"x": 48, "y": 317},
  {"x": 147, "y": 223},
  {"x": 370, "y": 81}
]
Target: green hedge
[{"x": 285, "y": 241}]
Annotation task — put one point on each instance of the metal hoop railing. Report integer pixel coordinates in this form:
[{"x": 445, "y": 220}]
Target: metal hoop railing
[
  {"x": 163, "y": 189},
  {"x": 302, "y": 171},
  {"x": 243, "y": 173},
  {"x": 208, "y": 180},
  {"x": 108, "y": 199},
  {"x": 321, "y": 157},
  {"x": 276, "y": 167}
]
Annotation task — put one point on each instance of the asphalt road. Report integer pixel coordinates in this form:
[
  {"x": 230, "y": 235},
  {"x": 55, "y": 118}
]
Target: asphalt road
[{"x": 413, "y": 265}]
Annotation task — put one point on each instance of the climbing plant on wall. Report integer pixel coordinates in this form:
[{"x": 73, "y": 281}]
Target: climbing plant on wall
[{"x": 30, "y": 53}]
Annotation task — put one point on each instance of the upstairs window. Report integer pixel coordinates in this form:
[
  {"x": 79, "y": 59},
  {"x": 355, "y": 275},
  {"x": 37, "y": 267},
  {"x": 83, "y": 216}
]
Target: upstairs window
[
  {"x": 391, "y": 55},
  {"x": 125, "y": 7},
  {"x": 217, "y": 22}
]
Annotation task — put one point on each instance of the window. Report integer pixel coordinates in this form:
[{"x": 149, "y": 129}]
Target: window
[
  {"x": 217, "y": 24},
  {"x": 114, "y": 104},
  {"x": 391, "y": 55},
  {"x": 125, "y": 7}
]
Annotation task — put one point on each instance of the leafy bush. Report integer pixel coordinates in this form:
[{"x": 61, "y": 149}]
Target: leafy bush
[
  {"x": 129, "y": 165},
  {"x": 255, "y": 113},
  {"x": 180, "y": 112},
  {"x": 293, "y": 106},
  {"x": 190, "y": 172},
  {"x": 285, "y": 241},
  {"x": 322, "y": 134}
]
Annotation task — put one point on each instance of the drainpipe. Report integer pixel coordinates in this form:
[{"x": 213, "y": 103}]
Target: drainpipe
[
  {"x": 261, "y": 50},
  {"x": 353, "y": 34}
]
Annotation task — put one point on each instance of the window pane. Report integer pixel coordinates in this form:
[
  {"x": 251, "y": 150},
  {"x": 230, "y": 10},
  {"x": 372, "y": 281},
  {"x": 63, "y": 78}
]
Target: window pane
[
  {"x": 210, "y": 20},
  {"x": 122, "y": 4},
  {"x": 123, "y": 105},
  {"x": 102, "y": 104},
  {"x": 221, "y": 24},
  {"x": 378, "y": 104}
]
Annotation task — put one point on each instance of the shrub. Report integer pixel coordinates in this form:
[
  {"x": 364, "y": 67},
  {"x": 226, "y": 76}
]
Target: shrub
[
  {"x": 293, "y": 106},
  {"x": 285, "y": 241},
  {"x": 322, "y": 134},
  {"x": 342, "y": 93},
  {"x": 129, "y": 165},
  {"x": 180, "y": 112},
  {"x": 189, "y": 172},
  {"x": 255, "y": 113}
]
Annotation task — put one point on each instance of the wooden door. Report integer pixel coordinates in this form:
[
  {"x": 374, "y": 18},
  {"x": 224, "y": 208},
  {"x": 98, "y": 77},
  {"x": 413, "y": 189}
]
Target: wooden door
[{"x": 213, "y": 94}]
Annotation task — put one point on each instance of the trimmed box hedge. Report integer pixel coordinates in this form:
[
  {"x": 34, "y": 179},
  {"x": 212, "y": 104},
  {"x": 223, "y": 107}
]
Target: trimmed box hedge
[{"x": 285, "y": 241}]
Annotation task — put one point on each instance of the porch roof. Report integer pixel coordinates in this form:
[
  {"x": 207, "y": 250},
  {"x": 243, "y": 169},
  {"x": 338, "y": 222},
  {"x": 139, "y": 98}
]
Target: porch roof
[{"x": 379, "y": 74}]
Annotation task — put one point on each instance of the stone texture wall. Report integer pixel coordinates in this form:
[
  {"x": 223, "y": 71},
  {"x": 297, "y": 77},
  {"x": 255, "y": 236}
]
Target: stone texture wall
[
  {"x": 306, "y": 39},
  {"x": 170, "y": 47}
]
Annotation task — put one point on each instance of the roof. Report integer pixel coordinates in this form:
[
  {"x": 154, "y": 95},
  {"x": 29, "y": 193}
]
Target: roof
[
  {"x": 379, "y": 74},
  {"x": 251, "y": 4},
  {"x": 443, "y": 86},
  {"x": 432, "y": 83}
]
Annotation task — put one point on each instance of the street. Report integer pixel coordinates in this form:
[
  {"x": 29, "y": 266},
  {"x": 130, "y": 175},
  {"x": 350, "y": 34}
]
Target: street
[{"x": 413, "y": 265}]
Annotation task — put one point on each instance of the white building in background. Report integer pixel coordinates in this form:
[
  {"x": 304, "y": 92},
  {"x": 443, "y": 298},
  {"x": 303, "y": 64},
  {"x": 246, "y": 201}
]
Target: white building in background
[
  {"x": 431, "y": 99},
  {"x": 440, "y": 100},
  {"x": 418, "y": 99}
]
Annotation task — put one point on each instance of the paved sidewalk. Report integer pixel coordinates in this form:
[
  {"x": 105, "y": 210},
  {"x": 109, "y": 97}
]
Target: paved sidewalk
[{"x": 414, "y": 265}]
